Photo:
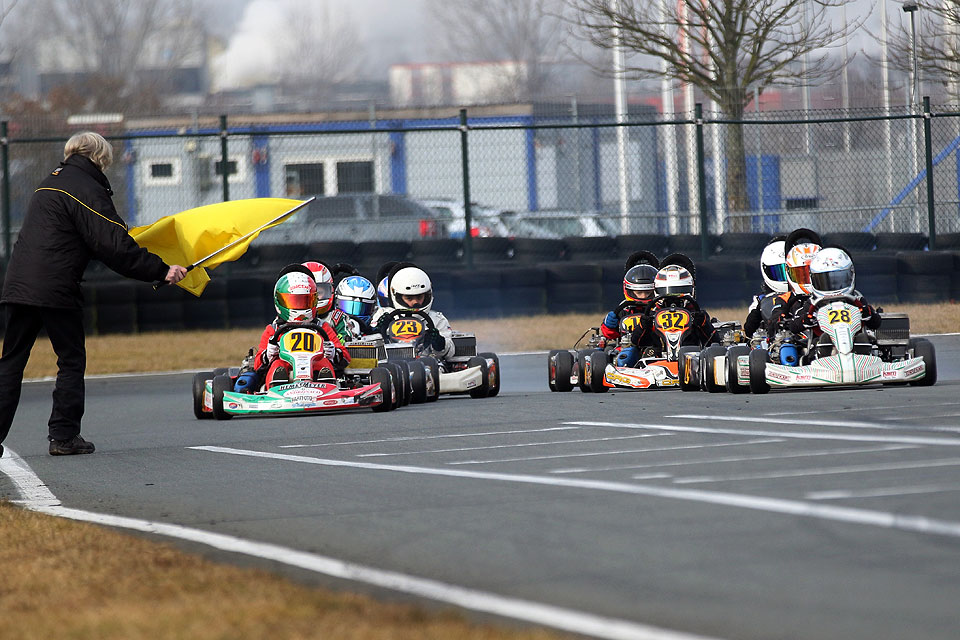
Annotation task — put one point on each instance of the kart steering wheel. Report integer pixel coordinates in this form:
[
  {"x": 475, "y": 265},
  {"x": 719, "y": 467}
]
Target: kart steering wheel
[{"x": 389, "y": 318}]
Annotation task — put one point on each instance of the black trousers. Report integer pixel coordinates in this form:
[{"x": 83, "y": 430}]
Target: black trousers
[{"x": 65, "y": 329}]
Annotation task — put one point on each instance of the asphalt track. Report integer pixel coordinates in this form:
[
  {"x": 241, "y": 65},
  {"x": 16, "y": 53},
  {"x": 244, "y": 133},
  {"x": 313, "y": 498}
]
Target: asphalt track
[{"x": 804, "y": 514}]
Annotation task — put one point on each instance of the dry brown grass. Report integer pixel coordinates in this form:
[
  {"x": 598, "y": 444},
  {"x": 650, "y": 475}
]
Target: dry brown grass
[
  {"x": 65, "y": 579},
  {"x": 207, "y": 349}
]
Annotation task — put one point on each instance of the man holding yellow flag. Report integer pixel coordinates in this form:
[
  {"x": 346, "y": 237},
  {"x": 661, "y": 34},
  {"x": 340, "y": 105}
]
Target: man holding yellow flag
[{"x": 70, "y": 220}]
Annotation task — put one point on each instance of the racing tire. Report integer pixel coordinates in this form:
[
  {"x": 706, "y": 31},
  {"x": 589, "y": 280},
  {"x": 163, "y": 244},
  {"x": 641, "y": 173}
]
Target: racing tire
[
  {"x": 687, "y": 379},
  {"x": 758, "y": 371},
  {"x": 493, "y": 371},
  {"x": 433, "y": 367},
  {"x": 397, "y": 380},
  {"x": 732, "y": 354},
  {"x": 551, "y": 375},
  {"x": 418, "y": 381},
  {"x": 484, "y": 388},
  {"x": 923, "y": 348},
  {"x": 564, "y": 369},
  {"x": 220, "y": 371},
  {"x": 221, "y": 383},
  {"x": 199, "y": 383},
  {"x": 598, "y": 365},
  {"x": 582, "y": 356},
  {"x": 384, "y": 377},
  {"x": 404, "y": 368},
  {"x": 709, "y": 367}
]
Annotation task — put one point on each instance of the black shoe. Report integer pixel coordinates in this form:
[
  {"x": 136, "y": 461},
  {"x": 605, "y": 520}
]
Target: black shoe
[{"x": 71, "y": 447}]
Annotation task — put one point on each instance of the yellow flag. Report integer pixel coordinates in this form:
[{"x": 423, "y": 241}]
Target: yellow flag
[{"x": 190, "y": 236}]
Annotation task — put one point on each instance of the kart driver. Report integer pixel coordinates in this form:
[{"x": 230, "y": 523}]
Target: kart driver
[
  {"x": 773, "y": 268},
  {"x": 356, "y": 298},
  {"x": 295, "y": 299},
  {"x": 638, "y": 293},
  {"x": 800, "y": 247},
  {"x": 409, "y": 287}
]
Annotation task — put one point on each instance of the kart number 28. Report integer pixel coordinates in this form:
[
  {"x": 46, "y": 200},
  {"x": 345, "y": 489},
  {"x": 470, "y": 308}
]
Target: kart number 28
[
  {"x": 838, "y": 315},
  {"x": 300, "y": 341}
]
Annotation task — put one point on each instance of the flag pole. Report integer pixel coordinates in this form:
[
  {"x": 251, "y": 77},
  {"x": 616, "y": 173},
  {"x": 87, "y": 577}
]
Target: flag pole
[{"x": 243, "y": 237}]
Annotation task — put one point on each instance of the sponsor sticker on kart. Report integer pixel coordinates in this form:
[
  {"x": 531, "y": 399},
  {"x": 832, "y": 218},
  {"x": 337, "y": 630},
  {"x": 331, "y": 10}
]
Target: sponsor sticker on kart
[
  {"x": 778, "y": 375},
  {"x": 913, "y": 370},
  {"x": 405, "y": 329},
  {"x": 804, "y": 377},
  {"x": 888, "y": 374}
]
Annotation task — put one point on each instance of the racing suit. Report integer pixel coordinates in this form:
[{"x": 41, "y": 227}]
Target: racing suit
[
  {"x": 431, "y": 344},
  {"x": 644, "y": 336},
  {"x": 252, "y": 379},
  {"x": 806, "y": 318},
  {"x": 610, "y": 329},
  {"x": 759, "y": 313}
]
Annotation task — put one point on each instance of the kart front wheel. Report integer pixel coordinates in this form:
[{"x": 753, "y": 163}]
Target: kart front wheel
[
  {"x": 923, "y": 348},
  {"x": 401, "y": 384},
  {"x": 199, "y": 385},
  {"x": 758, "y": 371},
  {"x": 596, "y": 366},
  {"x": 709, "y": 366},
  {"x": 563, "y": 371},
  {"x": 433, "y": 385},
  {"x": 688, "y": 378},
  {"x": 221, "y": 383},
  {"x": 551, "y": 369},
  {"x": 493, "y": 373},
  {"x": 733, "y": 367},
  {"x": 582, "y": 356},
  {"x": 484, "y": 388},
  {"x": 384, "y": 377},
  {"x": 418, "y": 381}
]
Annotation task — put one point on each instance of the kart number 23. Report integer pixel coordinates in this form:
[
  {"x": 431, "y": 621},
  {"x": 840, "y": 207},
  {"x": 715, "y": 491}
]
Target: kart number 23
[{"x": 406, "y": 328}]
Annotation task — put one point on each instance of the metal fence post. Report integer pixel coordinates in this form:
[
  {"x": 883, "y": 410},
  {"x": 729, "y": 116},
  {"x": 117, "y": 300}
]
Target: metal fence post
[
  {"x": 928, "y": 153},
  {"x": 5, "y": 161},
  {"x": 224, "y": 168},
  {"x": 467, "y": 215},
  {"x": 701, "y": 185}
]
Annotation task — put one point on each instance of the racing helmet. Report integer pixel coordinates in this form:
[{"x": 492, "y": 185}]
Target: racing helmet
[
  {"x": 324, "y": 279},
  {"x": 638, "y": 283},
  {"x": 798, "y": 266},
  {"x": 383, "y": 295},
  {"x": 773, "y": 266},
  {"x": 356, "y": 297},
  {"x": 831, "y": 273},
  {"x": 295, "y": 297},
  {"x": 674, "y": 280},
  {"x": 411, "y": 281}
]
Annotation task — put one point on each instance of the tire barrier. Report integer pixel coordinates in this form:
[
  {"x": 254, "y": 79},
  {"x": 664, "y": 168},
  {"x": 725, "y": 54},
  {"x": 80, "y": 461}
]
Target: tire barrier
[
  {"x": 332, "y": 251},
  {"x": 274, "y": 257},
  {"x": 689, "y": 244},
  {"x": 446, "y": 252},
  {"x": 655, "y": 243},
  {"x": 591, "y": 249},
  {"x": 492, "y": 250},
  {"x": 893, "y": 242},
  {"x": 210, "y": 310},
  {"x": 249, "y": 301},
  {"x": 611, "y": 283},
  {"x": 721, "y": 282},
  {"x": 370, "y": 255},
  {"x": 856, "y": 242},
  {"x": 160, "y": 309},
  {"x": 742, "y": 245},
  {"x": 476, "y": 294},
  {"x": 114, "y": 305},
  {"x": 948, "y": 241},
  {"x": 523, "y": 291},
  {"x": 877, "y": 277},
  {"x": 574, "y": 288},
  {"x": 925, "y": 276},
  {"x": 537, "y": 250}
]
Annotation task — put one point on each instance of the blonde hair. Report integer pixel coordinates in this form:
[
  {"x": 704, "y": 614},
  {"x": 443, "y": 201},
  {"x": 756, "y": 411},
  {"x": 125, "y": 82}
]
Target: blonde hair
[{"x": 91, "y": 145}]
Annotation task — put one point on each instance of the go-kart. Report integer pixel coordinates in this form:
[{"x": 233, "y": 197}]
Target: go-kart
[
  {"x": 706, "y": 369},
  {"x": 845, "y": 354},
  {"x": 300, "y": 380},
  {"x": 416, "y": 380},
  {"x": 592, "y": 368},
  {"x": 406, "y": 335}
]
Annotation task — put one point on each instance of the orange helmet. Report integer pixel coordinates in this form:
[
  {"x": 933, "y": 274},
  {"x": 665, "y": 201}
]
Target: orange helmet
[
  {"x": 798, "y": 266},
  {"x": 324, "y": 280}
]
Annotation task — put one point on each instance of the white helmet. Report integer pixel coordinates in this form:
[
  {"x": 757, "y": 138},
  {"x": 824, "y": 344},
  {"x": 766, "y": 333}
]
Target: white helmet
[
  {"x": 798, "y": 266},
  {"x": 411, "y": 281},
  {"x": 831, "y": 273},
  {"x": 773, "y": 266},
  {"x": 673, "y": 280}
]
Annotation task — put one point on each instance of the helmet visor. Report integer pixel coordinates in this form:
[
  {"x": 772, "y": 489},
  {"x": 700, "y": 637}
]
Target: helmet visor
[
  {"x": 800, "y": 275},
  {"x": 297, "y": 300},
  {"x": 355, "y": 308},
  {"x": 675, "y": 290},
  {"x": 324, "y": 290},
  {"x": 639, "y": 292},
  {"x": 776, "y": 272},
  {"x": 832, "y": 280}
]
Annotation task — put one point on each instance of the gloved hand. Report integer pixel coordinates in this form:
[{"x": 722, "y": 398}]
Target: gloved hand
[
  {"x": 700, "y": 318},
  {"x": 272, "y": 351},
  {"x": 437, "y": 341},
  {"x": 329, "y": 350}
]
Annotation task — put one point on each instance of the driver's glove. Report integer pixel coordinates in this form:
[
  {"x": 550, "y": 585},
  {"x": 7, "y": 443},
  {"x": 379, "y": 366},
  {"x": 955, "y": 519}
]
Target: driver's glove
[
  {"x": 272, "y": 351},
  {"x": 438, "y": 342},
  {"x": 329, "y": 350}
]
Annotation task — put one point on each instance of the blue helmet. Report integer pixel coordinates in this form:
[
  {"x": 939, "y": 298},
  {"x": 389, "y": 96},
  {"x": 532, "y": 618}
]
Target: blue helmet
[
  {"x": 356, "y": 297},
  {"x": 383, "y": 293}
]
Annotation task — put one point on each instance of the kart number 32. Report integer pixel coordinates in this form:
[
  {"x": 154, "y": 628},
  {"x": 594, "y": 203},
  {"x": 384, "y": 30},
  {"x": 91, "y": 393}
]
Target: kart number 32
[{"x": 672, "y": 320}]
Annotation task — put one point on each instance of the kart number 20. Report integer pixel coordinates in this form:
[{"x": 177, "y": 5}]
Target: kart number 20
[{"x": 301, "y": 341}]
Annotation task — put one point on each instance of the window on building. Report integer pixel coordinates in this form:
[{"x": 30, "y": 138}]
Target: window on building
[
  {"x": 162, "y": 172},
  {"x": 304, "y": 179},
  {"x": 355, "y": 177},
  {"x": 231, "y": 167}
]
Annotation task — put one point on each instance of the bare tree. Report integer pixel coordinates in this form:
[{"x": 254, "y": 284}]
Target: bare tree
[
  {"x": 529, "y": 32},
  {"x": 728, "y": 49},
  {"x": 937, "y": 42}
]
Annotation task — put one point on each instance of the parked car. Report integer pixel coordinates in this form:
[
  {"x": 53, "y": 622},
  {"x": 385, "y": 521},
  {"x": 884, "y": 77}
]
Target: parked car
[
  {"x": 484, "y": 221},
  {"x": 358, "y": 217},
  {"x": 558, "y": 224}
]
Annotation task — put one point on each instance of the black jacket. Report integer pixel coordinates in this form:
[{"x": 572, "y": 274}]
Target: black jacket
[{"x": 71, "y": 220}]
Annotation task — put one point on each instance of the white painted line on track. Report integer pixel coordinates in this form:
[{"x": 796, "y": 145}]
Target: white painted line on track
[
  {"x": 556, "y": 456},
  {"x": 938, "y": 415},
  {"x": 409, "y": 438},
  {"x": 658, "y": 449},
  {"x": 799, "y": 508},
  {"x": 840, "y": 494},
  {"x": 816, "y": 423},
  {"x": 500, "y": 446},
  {"x": 778, "y": 456},
  {"x": 37, "y": 497},
  {"x": 801, "y": 435},
  {"x": 898, "y": 407},
  {"x": 825, "y": 471}
]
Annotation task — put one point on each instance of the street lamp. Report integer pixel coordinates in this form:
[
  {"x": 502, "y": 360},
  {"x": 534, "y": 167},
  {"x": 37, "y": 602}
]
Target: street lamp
[{"x": 911, "y": 8}]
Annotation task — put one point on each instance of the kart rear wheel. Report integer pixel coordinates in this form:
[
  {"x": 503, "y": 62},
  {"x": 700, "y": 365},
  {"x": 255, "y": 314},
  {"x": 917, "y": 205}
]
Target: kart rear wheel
[
  {"x": 923, "y": 348},
  {"x": 484, "y": 388},
  {"x": 384, "y": 377},
  {"x": 689, "y": 380},
  {"x": 221, "y": 383},
  {"x": 220, "y": 371},
  {"x": 551, "y": 372},
  {"x": 733, "y": 353},
  {"x": 709, "y": 368},
  {"x": 418, "y": 381},
  {"x": 598, "y": 365},
  {"x": 582, "y": 356},
  {"x": 493, "y": 373},
  {"x": 400, "y": 384},
  {"x": 433, "y": 368},
  {"x": 758, "y": 371},
  {"x": 563, "y": 371},
  {"x": 199, "y": 383}
]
